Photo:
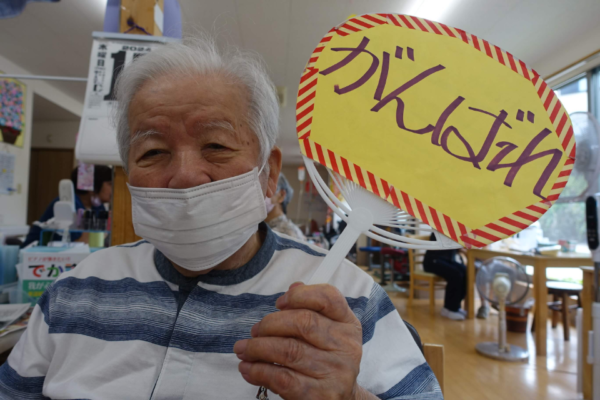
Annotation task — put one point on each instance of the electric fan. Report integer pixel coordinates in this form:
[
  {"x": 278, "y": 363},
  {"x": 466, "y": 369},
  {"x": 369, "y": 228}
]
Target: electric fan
[
  {"x": 364, "y": 214},
  {"x": 502, "y": 281}
]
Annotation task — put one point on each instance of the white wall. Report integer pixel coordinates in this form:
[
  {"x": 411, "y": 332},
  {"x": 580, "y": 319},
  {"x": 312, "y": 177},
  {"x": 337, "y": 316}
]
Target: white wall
[
  {"x": 13, "y": 207},
  {"x": 54, "y": 134}
]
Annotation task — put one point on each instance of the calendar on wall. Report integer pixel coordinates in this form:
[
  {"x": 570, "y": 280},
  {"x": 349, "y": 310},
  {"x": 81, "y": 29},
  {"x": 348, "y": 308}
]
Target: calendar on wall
[{"x": 111, "y": 53}]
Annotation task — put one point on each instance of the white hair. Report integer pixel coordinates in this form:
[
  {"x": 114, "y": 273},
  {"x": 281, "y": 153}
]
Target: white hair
[{"x": 201, "y": 56}]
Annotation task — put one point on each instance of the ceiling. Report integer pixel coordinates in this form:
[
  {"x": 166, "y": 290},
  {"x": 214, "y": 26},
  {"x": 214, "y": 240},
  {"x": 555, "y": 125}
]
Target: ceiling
[
  {"x": 55, "y": 38},
  {"x": 46, "y": 111}
]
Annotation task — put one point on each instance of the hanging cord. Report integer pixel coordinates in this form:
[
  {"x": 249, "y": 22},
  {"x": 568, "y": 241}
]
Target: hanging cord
[{"x": 133, "y": 25}]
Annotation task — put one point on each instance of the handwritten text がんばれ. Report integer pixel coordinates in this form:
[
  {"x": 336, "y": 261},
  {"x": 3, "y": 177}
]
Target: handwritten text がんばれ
[{"x": 440, "y": 133}]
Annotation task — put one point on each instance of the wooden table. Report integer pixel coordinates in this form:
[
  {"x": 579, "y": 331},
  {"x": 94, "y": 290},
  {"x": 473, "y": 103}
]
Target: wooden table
[{"x": 539, "y": 263}]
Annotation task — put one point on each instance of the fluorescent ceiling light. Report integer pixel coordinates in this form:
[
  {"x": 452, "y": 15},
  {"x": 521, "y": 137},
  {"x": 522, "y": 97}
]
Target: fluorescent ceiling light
[{"x": 435, "y": 10}]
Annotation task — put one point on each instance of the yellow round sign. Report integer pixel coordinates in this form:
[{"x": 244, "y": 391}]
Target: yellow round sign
[{"x": 441, "y": 123}]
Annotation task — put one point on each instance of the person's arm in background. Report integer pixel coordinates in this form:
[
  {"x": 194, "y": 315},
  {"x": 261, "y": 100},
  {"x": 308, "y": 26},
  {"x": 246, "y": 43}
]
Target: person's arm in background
[
  {"x": 22, "y": 375},
  {"x": 34, "y": 230}
]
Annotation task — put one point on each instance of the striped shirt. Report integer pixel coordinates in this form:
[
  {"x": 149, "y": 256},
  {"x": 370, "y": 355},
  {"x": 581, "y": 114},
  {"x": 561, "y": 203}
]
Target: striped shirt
[{"x": 126, "y": 324}]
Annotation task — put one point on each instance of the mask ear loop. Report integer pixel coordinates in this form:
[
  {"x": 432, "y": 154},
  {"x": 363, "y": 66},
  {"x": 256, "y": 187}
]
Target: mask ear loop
[
  {"x": 263, "y": 167},
  {"x": 260, "y": 172}
]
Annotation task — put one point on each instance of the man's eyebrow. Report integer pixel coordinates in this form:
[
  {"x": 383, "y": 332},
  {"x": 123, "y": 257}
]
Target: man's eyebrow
[
  {"x": 139, "y": 135},
  {"x": 215, "y": 124}
]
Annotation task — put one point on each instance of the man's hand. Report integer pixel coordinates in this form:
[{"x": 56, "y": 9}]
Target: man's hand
[{"x": 311, "y": 349}]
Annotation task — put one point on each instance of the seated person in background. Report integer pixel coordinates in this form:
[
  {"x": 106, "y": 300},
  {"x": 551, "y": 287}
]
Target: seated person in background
[
  {"x": 84, "y": 199},
  {"x": 446, "y": 264},
  {"x": 211, "y": 304},
  {"x": 277, "y": 210}
]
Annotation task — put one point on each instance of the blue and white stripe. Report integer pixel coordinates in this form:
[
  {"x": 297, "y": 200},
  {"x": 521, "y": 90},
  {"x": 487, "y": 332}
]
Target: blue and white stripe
[
  {"x": 111, "y": 328},
  {"x": 15, "y": 386}
]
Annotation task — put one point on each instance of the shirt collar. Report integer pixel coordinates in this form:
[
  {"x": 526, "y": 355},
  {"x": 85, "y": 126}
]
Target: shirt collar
[{"x": 224, "y": 278}]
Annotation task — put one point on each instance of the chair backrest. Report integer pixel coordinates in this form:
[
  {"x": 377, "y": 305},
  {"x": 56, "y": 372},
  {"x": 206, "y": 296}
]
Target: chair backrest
[
  {"x": 416, "y": 256},
  {"x": 434, "y": 355}
]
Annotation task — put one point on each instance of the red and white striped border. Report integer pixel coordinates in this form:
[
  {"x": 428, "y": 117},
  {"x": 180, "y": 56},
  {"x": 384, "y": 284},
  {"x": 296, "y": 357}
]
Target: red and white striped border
[{"x": 482, "y": 236}]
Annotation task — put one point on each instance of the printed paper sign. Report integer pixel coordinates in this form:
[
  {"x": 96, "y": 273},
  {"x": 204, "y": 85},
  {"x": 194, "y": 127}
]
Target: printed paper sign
[
  {"x": 7, "y": 172},
  {"x": 40, "y": 268},
  {"x": 85, "y": 176},
  {"x": 96, "y": 142},
  {"x": 444, "y": 125}
]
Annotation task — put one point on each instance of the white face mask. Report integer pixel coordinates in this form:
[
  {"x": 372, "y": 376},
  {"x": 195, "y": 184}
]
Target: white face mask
[{"x": 200, "y": 227}]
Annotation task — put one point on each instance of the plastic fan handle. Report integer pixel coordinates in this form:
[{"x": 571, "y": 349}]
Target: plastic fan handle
[
  {"x": 359, "y": 221},
  {"x": 336, "y": 255}
]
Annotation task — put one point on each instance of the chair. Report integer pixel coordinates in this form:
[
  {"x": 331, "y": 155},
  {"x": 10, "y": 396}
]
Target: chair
[
  {"x": 421, "y": 280},
  {"x": 391, "y": 255},
  {"x": 369, "y": 248},
  {"x": 561, "y": 291},
  {"x": 434, "y": 355}
]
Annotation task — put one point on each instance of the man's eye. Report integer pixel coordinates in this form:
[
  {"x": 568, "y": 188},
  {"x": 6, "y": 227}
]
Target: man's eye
[
  {"x": 215, "y": 146},
  {"x": 152, "y": 153}
]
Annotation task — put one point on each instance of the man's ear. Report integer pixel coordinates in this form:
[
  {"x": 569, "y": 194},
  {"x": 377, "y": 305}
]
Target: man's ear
[{"x": 274, "y": 170}]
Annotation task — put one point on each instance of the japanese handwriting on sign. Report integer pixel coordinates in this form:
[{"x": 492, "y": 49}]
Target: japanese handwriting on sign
[{"x": 440, "y": 131}]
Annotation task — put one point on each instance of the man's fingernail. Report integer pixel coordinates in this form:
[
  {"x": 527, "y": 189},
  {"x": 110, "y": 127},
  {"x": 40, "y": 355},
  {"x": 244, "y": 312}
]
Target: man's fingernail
[
  {"x": 254, "y": 330},
  {"x": 244, "y": 367},
  {"x": 240, "y": 346}
]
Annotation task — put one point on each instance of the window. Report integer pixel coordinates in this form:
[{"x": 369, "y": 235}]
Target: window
[
  {"x": 566, "y": 221},
  {"x": 574, "y": 95},
  {"x": 595, "y": 92}
]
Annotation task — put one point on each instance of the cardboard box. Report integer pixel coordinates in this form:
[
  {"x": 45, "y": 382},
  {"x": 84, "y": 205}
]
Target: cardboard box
[{"x": 40, "y": 266}]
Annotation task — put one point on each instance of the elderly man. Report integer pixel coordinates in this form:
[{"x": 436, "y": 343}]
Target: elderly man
[
  {"x": 277, "y": 210},
  {"x": 191, "y": 311}
]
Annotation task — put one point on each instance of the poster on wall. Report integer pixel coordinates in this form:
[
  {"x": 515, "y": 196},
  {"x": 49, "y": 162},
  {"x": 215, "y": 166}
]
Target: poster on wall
[
  {"x": 7, "y": 172},
  {"x": 12, "y": 111},
  {"x": 111, "y": 52}
]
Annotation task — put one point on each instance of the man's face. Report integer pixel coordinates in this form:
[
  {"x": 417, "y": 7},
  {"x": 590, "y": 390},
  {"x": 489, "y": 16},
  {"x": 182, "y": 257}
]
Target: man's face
[
  {"x": 105, "y": 192},
  {"x": 188, "y": 131}
]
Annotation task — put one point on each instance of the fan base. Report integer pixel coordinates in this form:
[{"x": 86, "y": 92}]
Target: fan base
[{"x": 491, "y": 350}]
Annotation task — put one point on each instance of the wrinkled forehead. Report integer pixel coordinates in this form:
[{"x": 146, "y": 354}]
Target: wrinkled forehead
[{"x": 213, "y": 97}]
